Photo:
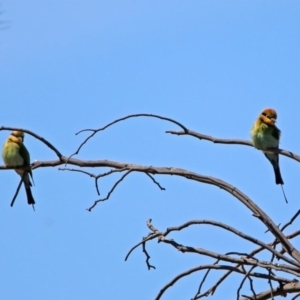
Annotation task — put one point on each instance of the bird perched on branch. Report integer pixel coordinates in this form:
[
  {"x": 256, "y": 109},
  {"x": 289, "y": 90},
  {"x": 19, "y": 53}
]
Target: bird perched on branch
[
  {"x": 15, "y": 154},
  {"x": 265, "y": 135}
]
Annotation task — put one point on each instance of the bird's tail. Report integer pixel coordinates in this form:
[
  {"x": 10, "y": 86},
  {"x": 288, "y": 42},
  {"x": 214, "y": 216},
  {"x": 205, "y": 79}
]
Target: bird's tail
[
  {"x": 30, "y": 199},
  {"x": 274, "y": 160},
  {"x": 278, "y": 177}
]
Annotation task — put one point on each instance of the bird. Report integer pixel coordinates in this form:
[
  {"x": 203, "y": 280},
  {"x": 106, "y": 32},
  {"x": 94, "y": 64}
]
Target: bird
[
  {"x": 15, "y": 154},
  {"x": 266, "y": 135}
]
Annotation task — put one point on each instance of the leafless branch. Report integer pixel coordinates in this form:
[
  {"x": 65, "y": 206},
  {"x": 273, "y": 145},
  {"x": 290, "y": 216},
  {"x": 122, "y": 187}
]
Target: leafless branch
[
  {"x": 212, "y": 289},
  {"x": 86, "y": 173},
  {"x": 242, "y": 261},
  {"x": 290, "y": 222},
  {"x": 244, "y": 264},
  {"x": 288, "y": 288},
  {"x": 162, "y": 188},
  {"x": 110, "y": 192},
  {"x": 184, "y": 131},
  {"x": 215, "y": 267},
  {"x": 94, "y": 131},
  {"x": 44, "y": 141},
  {"x": 186, "y": 174},
  {"x": 147, "y": 257},
  {"x": 215, "y": 140},
  {"x": 247, "y": 273},
  {"x": 149, "y": 237},
  {"x": 233, "y": 230}
]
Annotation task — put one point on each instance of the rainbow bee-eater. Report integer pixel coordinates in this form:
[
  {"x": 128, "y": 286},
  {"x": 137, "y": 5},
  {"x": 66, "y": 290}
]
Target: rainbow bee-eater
[
  {"x": 15, "y": 154},
  {"x": 266, "y": 135}
]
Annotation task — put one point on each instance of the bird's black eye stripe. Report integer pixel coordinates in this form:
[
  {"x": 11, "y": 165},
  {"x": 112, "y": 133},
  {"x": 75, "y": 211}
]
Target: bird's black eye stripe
[{"x": 265, "y": 115}]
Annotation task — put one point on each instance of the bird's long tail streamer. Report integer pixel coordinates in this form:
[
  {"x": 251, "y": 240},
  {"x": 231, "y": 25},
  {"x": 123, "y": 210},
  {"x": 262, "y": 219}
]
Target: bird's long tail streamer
[{"x": 284, "y": 194}]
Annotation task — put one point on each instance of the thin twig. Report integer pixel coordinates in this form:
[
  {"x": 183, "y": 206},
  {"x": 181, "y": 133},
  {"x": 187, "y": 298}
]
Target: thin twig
[
  {"x": 150, "y": 236},
  {"x": 86, "y": 173},
  {"x": 110, "y": 192},
  {"x": 94, "y": 131},
  {"x": 244, "y": 279},
  {"x": 291, "y": 220},
  {"x": 157, "y": 183},
  {"x": 270, "y": 283},
  {"x": 212, "y": 289},
  {"x": 215, "y": 267},
  {"x": 147, "y": 257},
  {"x": 282, "y": 290}
]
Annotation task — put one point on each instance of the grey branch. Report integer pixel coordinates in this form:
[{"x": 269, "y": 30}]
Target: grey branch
[
  {"x": 240, "y": 260},
  {"x": 243, "y": 198},
  {"x": 289, "y": 288}
]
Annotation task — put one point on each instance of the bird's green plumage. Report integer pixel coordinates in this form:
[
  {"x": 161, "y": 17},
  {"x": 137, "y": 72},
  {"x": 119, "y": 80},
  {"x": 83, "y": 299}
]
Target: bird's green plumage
[
  {"x": 15, "y": 154},
  {"x": 265, "y": 135}
]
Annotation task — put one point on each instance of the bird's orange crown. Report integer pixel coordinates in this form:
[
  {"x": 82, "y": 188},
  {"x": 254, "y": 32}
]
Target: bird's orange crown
[{"x": 268, "y": 116}]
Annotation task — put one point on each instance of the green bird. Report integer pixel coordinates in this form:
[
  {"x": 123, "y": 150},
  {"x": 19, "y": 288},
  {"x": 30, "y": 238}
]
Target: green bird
[
  {"x": 15, "y": 154},
  {"x": 266, "y": 135}
]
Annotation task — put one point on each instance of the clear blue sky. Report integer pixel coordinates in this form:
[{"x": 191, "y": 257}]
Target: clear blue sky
[{"x": 212, "y": 65}]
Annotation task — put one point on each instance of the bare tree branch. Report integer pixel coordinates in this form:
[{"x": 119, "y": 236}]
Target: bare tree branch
[
  {"x": 185, "y": 131},
  {"x": 150, "y": 236},
  {"x": 215, "y": 140},
  {"x": 94, "y": 131},
  {"x": 247, "y": 276},
  {"x": 162, "y": 188},
  {"x": 289, "y": 288},
  {"x": 110, "y": 192},
  {"x": 215, "y": 267},
  {"x": 290, "y": 222},
  {"x": 86, "y": 173},
  {"x": 235, "y": 231},
  {"x": 147, "y": 257},
  {"x": 245, "y": 264},
  {"x": 253, "y": 263},
  {"x": 223, "y": 277},
  {"x": 44, "y": 141},
  {"x": 243, "y": 260},
  {"x": 186, "y": 174}
]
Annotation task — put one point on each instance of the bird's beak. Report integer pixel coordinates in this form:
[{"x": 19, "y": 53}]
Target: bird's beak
[{"x": 274, "y": 120}]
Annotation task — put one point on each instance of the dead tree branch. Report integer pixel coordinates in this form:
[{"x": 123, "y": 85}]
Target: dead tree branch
[
  {"x": 44, "y": 141},
  {"x": 288, "y": 288},
  {"x": 242, "y": 261},
  {"x": 184, "y": 131},
  {"x": 215, "y": 140},
  {"x": 94, "y": 131},
  {"x": 188, "y": 175},
  {"x": 244, "y": 264}
]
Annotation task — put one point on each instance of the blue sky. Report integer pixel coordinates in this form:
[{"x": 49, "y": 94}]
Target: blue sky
[{"x": 211, "y": 65}]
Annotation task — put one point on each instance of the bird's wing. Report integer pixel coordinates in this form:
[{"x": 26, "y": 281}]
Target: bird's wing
[
  {"x": 25, "y": 154},
  {"x": 276, "y": 133}
]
